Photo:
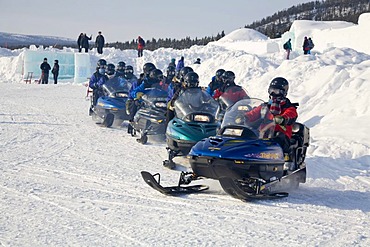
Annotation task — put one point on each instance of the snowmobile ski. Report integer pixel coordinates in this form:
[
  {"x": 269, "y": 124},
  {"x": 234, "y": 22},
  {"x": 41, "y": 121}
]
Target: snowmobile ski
[
  {"x": 171, "y": 190},
  {"x": 231, "y": 188}
]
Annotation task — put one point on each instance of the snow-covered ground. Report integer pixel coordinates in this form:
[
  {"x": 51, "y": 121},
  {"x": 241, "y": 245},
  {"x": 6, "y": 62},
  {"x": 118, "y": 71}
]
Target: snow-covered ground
[{"x": 68, "y": 182}]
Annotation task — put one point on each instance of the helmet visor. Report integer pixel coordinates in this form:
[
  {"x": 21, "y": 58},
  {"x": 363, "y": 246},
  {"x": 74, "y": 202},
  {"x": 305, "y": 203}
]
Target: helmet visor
[{"x": 276, "y": 92}]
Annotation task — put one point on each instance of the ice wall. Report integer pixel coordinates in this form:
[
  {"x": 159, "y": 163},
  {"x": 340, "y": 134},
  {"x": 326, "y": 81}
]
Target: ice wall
[
  {"x": 82, "y": 68},
  {"x": 72, "y": 66}
]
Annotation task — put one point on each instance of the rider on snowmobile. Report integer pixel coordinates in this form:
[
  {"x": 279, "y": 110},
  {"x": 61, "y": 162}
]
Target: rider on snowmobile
[
  {"x": 228, "y": 79},
  {"x": 283, "y": 112},
  {"x": 170, "y": 74},
  {"x": 120, "y": 68},
  {"x": 96, "y": 81},
  {"x": 152, "y": 81},
  {"x": 174, "y": 90},
  {"x": 216, "y": 82}
]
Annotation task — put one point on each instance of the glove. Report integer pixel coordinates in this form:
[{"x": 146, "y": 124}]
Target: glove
[
  {"x": 170, "y": 105},
  {"x": 139, "y": 95},
  {"x": 240, "y": 119},
  {"x": 279, "y": 120}
]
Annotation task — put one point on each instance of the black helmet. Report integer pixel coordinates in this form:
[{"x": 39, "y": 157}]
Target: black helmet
[
  {"x": 121, "y": 66},
  {"x": 278, "y": 87},
  {"x": 156, "y": 74},
  {"x": 219, "y": 73},
  {"x": 111, "y": 69},
  {"x": 183, "y": 71},
  {"x": 191, "y": 79},
  {"x": 101, "y": 63},
  {"x": 228, "y": 76},
  {"x": 171, "y": 71},
  {"x": 147, "y": 68}
]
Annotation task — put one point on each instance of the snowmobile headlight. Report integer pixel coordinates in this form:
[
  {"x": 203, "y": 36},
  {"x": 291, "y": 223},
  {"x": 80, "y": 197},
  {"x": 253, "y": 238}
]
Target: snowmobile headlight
[
  {"x": 160, "y": 104},
  {"x": 243, "y": 108},
  {"x": 202, "y": 118},
  {"x": 232, "y": 132},
  {"x": 121, "y": 95}
]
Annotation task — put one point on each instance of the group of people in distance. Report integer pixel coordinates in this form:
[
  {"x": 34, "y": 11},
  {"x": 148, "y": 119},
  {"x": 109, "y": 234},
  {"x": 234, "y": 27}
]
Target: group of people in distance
[
  {"x": 83, "y": 42},
  {"x": 176, "y": 80},
  {"x": 307, "y": 46}
]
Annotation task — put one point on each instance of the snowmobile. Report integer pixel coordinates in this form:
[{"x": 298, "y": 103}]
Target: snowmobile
[
  {"x": 195, "y": 119},
  {"x": 150, "y": 119},
  {"x": 112, "y": 105},
  {"x": 244, "y": 158}
]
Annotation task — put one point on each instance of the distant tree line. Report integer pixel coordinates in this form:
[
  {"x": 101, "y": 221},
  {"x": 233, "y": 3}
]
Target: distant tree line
[
  {"x": 154, "y": 44},
  {"x": 329, "y": 10}
]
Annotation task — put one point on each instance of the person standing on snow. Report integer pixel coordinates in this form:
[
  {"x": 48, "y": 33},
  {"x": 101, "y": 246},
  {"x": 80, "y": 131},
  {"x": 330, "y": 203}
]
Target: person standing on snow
[
  {"x": 55, "y": 71},
  {"x": 79, "y": 42},
  {"x": 45, "y": 68},
  {"x": 85, "y": 42},
  {"x": 180, "y": 64},
  {"x": 140, "y": 46},
  {"x": 310, "y": 45},
  {"x": 305, "y": 46},
  {"x": 288, "y": 47},
  {"x": 99, "y": 42}
]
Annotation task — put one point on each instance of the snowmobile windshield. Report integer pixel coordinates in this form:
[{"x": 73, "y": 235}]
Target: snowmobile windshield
[
  {"x": 231, "y": 95},
  {"x": 115, "y": 87},
  {"x": 155, "y": 97},
  {"x": 196, "y": 105},
  {"x": 248, "y": 117}
]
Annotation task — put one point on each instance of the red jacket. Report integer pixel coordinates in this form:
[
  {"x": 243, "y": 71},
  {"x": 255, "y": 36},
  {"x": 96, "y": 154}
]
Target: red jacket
[{"x": 288, "y": 112}]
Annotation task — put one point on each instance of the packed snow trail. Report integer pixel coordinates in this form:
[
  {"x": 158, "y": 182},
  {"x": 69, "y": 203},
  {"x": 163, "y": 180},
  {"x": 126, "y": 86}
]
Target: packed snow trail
[{"x": 67, "y": 182}]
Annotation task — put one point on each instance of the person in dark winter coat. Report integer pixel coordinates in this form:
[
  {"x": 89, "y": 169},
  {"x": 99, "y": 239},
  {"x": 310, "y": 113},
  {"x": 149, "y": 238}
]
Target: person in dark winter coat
[
  {"x": 85, "y": 42},
  {"x": 288, "y": 47},
  {"x": 45, "y": 68},
  {"x": 55, "y": 71},
  {"x": 216, "y": 82},
  {"x": 140, "y": 46},
  {"x": 79, "y": 42},
  {"x": 99, "y": 42},
  {"x": 305, "y": 46},
  {"x": 310, "y": 45}
]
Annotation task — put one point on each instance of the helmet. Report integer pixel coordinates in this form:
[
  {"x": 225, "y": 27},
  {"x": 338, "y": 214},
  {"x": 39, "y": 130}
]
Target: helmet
[
  {"x": 111, "y": 69},
  {"x": 219, "y": 73},
  {"x": 183, "y": 72},
  {"x": 278, "y": 87},
  {"x": 156, "y": 74},
  {"x": 121, "y": 66},
  {"x": 228, "y": 76},
  {"x": 191, "y": 79},
  {"x": 148, "y": 67},
  {"x": 101, "y": 62},
  {"x": 171, "y": 71}
]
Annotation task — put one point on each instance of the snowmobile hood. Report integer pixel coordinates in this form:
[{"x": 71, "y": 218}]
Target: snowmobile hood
[
  {"x": 106, "y": 102},
  {"x": 259, "y": 150},
  {"x": 190, "y": 131}
]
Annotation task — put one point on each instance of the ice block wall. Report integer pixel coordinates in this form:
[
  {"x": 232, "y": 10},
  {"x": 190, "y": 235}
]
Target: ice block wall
[{"x": 82, "y": 69}]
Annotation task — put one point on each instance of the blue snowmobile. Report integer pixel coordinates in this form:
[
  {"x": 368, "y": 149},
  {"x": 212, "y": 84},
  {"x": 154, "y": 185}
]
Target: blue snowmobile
[
  {"x": 244, "y": 158},
  {"x": 112, "y": 105}
]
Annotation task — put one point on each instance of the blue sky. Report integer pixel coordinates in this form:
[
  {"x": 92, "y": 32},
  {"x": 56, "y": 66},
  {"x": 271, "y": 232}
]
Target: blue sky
[{"x": 122, "y": 20}]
